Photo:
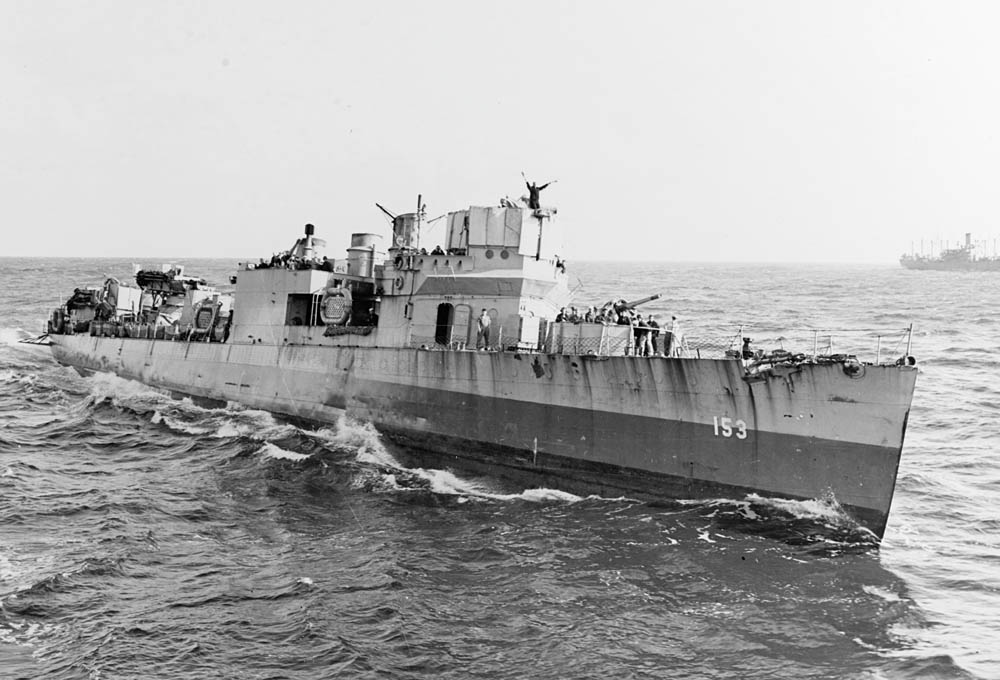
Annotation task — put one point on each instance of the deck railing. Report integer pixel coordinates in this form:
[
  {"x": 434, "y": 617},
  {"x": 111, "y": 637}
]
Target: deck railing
[{"x": 866, "y": 344}]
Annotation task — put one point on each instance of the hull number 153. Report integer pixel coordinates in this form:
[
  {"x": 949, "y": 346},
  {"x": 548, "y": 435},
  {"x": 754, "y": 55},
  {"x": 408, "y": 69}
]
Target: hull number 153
[{"x": 727, "y": 427}]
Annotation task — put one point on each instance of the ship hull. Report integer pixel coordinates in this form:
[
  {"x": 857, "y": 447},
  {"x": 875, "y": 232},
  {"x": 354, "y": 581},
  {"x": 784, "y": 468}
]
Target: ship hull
[
  {"x": 655, "y": 428},
  {"x": 990, "y": 265}
]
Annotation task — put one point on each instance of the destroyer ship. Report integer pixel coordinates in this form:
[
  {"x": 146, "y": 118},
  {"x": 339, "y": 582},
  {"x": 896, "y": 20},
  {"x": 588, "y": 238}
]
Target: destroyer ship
[
  {"x": 962, "y": 258},
  {"x": 469, "y": 352}
]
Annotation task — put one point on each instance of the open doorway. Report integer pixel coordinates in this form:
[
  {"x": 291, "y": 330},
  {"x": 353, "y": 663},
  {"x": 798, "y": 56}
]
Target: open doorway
[{"x": 442, "y": 330}]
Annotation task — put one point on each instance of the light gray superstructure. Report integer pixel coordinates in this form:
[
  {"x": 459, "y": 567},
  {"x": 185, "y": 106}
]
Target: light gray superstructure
[{"x": 391, "y": 339}]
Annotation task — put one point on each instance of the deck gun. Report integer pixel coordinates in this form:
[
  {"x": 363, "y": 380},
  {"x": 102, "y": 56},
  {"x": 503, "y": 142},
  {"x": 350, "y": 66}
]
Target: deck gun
[{"x": 636, "y": 303}]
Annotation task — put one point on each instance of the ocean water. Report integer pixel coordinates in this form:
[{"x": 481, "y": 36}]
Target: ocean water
[{"x": 143, "y": 537}]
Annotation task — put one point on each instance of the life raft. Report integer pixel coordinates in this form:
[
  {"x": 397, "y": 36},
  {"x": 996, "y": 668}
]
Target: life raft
[
  {"x": 204, "y": 318},
  {"x": 335, "y": 307}
]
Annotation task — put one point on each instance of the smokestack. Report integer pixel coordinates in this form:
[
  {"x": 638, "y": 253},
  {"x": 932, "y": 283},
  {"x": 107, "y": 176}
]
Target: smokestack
[{"x": 310, "y": 230}]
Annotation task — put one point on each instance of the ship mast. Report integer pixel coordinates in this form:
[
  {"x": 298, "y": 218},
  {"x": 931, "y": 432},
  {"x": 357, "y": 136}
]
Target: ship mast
[{"x": 420, "y": 216}]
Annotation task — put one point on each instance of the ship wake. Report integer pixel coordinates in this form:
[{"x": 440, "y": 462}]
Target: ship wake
[
  {"x": 13, "y": 336},
  {"x": 387, "y": 474}
]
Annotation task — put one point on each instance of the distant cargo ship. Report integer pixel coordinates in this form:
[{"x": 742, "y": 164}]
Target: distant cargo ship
[
  {"x": 392, "y": 338},
  {"x": 963, "y": 258}
]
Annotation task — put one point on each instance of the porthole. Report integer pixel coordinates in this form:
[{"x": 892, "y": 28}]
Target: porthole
[
  {"x": 489, "y": 254},
  {"x": 504, "y": 254}
]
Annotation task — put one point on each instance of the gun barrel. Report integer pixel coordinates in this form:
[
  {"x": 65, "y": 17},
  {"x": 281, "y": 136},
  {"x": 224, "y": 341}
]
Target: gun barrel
[{"x": 641, "y": 301}]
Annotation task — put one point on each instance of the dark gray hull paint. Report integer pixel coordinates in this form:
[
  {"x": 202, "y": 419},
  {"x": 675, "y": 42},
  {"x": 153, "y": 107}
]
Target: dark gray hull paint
[{"x": 579, "y": 477}]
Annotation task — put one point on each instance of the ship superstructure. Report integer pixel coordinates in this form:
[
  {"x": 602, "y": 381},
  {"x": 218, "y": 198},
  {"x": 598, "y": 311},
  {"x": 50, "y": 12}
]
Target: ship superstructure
[{"x": 467, "y": 351}]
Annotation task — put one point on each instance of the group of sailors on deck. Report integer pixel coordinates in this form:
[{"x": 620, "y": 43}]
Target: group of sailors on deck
[
  {"x": 288, "y": 260},
  {"x": 646, "y": 329}
]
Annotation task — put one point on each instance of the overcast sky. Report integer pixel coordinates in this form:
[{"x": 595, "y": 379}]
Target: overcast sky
[{"x": 685, "y": 131}]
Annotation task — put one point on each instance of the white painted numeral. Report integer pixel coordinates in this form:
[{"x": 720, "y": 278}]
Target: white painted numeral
[{"x": 724, "y": 426}]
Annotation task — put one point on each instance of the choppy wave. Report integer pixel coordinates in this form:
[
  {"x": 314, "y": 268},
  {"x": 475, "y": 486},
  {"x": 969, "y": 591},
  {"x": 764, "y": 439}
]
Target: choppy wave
[{"x": 277, "y": 452}]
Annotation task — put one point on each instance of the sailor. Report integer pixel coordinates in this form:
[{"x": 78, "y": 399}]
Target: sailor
[
  {"x": 610, "y": 316},
  {"x": 533, "y": 193},
  {"x": 639, "y": 336},
  {"x": 483, "y": 334},
  {"x": 646, "y": 347},
  {"x": 654, "y": 334},
  {"x": 676, "y": 337}
]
